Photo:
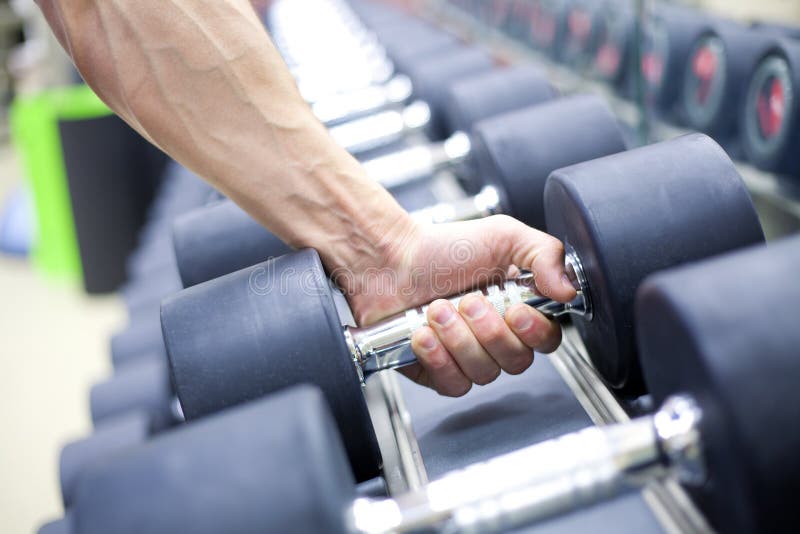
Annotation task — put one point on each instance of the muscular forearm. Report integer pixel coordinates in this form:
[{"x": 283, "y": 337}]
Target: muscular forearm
[{"x": 201, "y": 79}]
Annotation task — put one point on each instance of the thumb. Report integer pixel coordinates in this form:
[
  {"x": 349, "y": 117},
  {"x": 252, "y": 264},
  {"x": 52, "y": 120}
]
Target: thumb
[{"x": 543, "y": 255}]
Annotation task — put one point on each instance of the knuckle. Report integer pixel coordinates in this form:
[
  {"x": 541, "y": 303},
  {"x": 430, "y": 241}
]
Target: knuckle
[
  {"x": 520, "y": 363},
  {"x": 493, "y": 332},
  {"x": 488, "y": 376}
]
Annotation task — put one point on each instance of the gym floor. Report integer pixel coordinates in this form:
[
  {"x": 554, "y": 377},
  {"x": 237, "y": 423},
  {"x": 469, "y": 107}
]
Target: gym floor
[{"x": 54, "y": 346}]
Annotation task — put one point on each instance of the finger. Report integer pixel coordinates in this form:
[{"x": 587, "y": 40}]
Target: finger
[
  {"x": 459, "y": 341},
  {"x": 533, "y": 328},
  {"x": 496, "y": 337},
  {"x": 548, "y": 271},
  {"x": 441, "y": 372}
]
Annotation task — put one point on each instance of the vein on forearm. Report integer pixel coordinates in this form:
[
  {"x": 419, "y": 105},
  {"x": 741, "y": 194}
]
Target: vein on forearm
[{"x": 201, "y": 80}]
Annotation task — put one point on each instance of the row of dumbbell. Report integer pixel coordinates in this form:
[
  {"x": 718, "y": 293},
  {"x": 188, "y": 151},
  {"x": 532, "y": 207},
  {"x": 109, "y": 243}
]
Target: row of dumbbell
[
  {"x": 143, "y": 385},
  {"x": 556, "y": 112},
  {"x": 725, "y": 379},
  {"x": 735, "y": 82}
]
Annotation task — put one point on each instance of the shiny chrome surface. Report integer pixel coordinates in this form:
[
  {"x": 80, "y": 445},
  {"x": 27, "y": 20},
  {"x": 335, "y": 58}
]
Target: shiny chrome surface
[
  {"x": 484, "y": 204},
  {"x": 340, "y": 108},
  {"x": 382, "y": 128},
  {"x": 667, "y": 499},
  {"x": 539, "y": 481},
  {"x": 403, "y": 468},
  {"x": 419, "y": 162},
  {"x": 385, "y": 345}
]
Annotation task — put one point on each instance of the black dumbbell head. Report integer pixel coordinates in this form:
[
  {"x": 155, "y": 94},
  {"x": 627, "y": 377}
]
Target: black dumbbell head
[
  {"x": 113, "y": 436},
  {"x": 140, "y": 339},
  {"x": 432, "y": 76},
  {"x": 635, "y": 213},
  {"x": 548, "y": 25},
  {"x": 408, "y": 43},
  {"x": 582, "y": 31},
  {"x": 725, "y": 331},
  {"x": 668, "y": 38},
  {"x": 492, "y": 93},
  {"x": 517, "y": 151},
  {"x": 143, "y": 385},
  {"x": 59, "y": 526},
  {"x": 219, "y": 239},
  {"x": 273, "y": 465},
  {"x": 769, "y": 125},
  {"x": 260, "y": 330},
  {"x": 715, "y": 77}
]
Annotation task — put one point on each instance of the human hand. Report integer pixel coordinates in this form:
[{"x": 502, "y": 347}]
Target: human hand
[{"x": 472, "y": 344}]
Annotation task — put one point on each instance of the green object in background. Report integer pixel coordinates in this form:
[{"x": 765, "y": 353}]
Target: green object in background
[{"x": 34, "y": 129}]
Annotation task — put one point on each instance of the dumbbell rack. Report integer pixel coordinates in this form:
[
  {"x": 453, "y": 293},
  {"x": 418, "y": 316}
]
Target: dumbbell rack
[
  {"x": 777, "y": 197},
  {"x": 401, "y": 411}
]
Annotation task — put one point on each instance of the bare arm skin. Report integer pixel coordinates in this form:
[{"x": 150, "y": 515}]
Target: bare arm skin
[{"x": 201, "y": 80}]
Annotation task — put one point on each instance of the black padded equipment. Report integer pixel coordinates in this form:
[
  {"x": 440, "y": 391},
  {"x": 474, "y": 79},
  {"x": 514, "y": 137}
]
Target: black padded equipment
[
  {"x": 262, "y": 329},
  {"x": 770, "y": 138},
  {"x": 430, "y": 79},
  {"x": 494, "y": 92},
  {"x": 112, "y": 437},
  {"x": 726, "y": 332},
  {"x": 143, "y": 385},
  {"x": 275, "y": 465},
  {"x": 517, "y": 151},
  {"x": 635, "y": 213}
]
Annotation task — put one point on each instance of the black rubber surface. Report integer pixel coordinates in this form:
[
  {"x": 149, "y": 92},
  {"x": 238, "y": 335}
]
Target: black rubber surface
[
  {"x": 780, "y": 153},
  {"x": 138, "y": 340},
  {"x": 143, "y": 385},
  {"x": 219, "y": 239},
  {"x": 669, "y": 36},
  {"x": 492, "y": 93},
  {"x": 718, "y": 115},
  {"x": 59, "y": 526},
  {"x": 262, "y": 329},
  {"x": 411, "y": 42},
  {"x": 581, "y": 32},
  {"x": 430, "y": 79},
  {"x": 726, "y": 332},
  {"x": 274, "y": 465},
  {"x": 109, "y": 439},
  {"x": 517, "y": 151},
  {"x": 638, "y": 212}
]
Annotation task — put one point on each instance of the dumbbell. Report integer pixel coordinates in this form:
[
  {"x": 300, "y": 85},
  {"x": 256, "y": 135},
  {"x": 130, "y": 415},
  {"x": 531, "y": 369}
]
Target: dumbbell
[
  {"x": 548, "y": 22},
  {"x": 668, "y": 36},
  {"x": 515, "y": 152},
  {"x": 133, "y": 405},
  {"x": 769, "y": 117},
  {"x": 114, "y": 435},
  {"x": 726, "y": 428},
  {"x": 622, "y": 217},
  {"x": 720, "y": 62},
  {"x": 142, "y": 386},
  {"x": 612, "y": 55},
  {"x": 581, "y": 32},
  {"x": 430, "y": 78},
  {"x": 469, "y": 101}
]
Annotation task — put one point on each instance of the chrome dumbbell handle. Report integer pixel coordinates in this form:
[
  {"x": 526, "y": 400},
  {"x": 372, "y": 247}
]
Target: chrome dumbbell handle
[
  {"x": 385, "y": 345},
  {"x": 344, "y": 107},
  {"x": 487, "y": 202},
  {"x": 381, "y": 129},
  {"x": 545, "y": 479},
  {"x": 419, "y": 162}
]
